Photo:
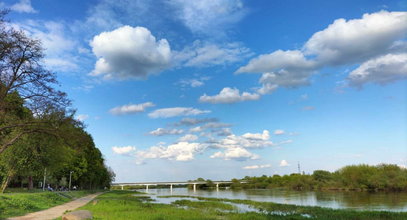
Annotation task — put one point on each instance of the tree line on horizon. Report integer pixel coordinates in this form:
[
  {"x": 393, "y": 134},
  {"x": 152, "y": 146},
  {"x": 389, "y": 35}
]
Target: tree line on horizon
[
  {"x": 39, "y": 136},
  {"x": 363, "y": 177},
  {"x": 382, "y": 177}
]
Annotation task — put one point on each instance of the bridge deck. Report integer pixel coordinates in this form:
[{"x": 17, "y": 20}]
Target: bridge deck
[{"x": 170, "y": 183}]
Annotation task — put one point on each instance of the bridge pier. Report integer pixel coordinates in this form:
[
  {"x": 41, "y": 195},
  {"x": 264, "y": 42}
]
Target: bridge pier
[
  {"x": 146, "y": 187},
  {"x": 122, "y": 187},
  {"x": 194, "y": 187},
  {"x": 171, "y": 187},
  {"x": 217, "y": 186}
]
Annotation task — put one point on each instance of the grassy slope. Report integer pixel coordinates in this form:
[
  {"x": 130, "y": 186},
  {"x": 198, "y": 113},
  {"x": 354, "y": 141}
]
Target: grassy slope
[
  {"x": 123, "y": 205},
  {"x": 16, "y": 204}
]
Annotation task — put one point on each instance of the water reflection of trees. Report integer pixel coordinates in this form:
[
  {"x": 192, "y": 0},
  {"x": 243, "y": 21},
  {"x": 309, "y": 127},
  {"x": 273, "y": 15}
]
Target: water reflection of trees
[{"x": 365, "y": 199}]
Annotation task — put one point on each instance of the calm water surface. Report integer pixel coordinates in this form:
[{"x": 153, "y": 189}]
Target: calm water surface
[{"x": 353, "y": 200}]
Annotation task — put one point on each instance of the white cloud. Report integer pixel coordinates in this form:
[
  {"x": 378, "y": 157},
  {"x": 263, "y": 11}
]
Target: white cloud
[
  {"x": 254, "y": 167},
  {"x": 235, "y": 153},
  {"x": 176, "y": 111},
  {"x": 129, "y": 53},
  {"x": 208, "y": 16},
  {"x": 210, "y": 125},
  {"x": 59, "y": 48},
  {"x": 279, "y": 132},
  {"x": 224, "y": 132},
  {"x": 216, "y": 125},
  {"x": 256, "y": 136},
  {"x": 235, "y": 147},
  {"x": 289, "y": 60},
  {"x": 163, "y": 131},
  {"x": 381, "y": 70},
  {"x": 355, "y": 40},
  {"x": 284, "y": 163},
  {"x": 344, "y": 42},
  {"x": 82, "y": 117},
  {"x": 196, "y": 129},
  {"x": 283, "y": 78},
  {"x": 131, "y": 108},
  {"x": 197, "y": 82},
  {"x": 208, "y": 54},
  {"x": 195, "y": 121},
  {"x": 248, "y": 140},
  {"x": 188, "y": 138},
  {"x": 123, "y": 150},
  {"x": 229, "y": 95},
  {"x": 281, "y": 68},
  {"x": 182, "y": 151},
  {"x": 60, "y": 64},
  {"x": 23, "y": 6}
]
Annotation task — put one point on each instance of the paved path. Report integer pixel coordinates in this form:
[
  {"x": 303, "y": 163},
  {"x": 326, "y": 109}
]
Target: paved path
[{"x": 57, "y": 211}]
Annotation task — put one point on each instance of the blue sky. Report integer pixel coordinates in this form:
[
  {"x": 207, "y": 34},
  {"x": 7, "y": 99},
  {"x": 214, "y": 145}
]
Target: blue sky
[{"x": 178, "y": 89}]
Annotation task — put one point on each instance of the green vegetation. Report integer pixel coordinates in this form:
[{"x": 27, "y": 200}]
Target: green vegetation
[
  {"x": 125, "y": 205},
  {"x": 383, "y": 177},
  {"x": 17, "y": 204},
  {"x": 39, "y": 136}
]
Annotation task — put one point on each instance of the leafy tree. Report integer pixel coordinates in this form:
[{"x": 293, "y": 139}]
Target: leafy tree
[{"x": 22, "y": 73}]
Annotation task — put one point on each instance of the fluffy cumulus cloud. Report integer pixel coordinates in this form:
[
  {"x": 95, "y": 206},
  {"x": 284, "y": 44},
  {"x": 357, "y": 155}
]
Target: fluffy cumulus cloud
[
  {"x": 235, "y": 153},
  {"x": 229, "y": 95},
  {"x": 124, "y": 150},
  {"x": 129, "y": 53},
  {"x": 284, "y": 163},
  {"x": 247, "y": 140},
  {"x": 236, "y": 147},
  {"x": 163, "y": 131},
  {"x": 381, "y": 70},
  {"x": 372, "y": 39},
  {"x": 255, "y": 167},
  {"x": 209, "y": 54},
  {"x": 230, "y": 147},
  {"x": 181, "y": 151},
  {"x": 131, "y": 108},
  {"x": 208, "y": 16},
  {"x": 257, "y": 136},
  {"x": 188, "y": 138},
  {"x": 23, "y": 6},
  {"x": 176, "y": 111},
  {"x": 355, "y": 40}
]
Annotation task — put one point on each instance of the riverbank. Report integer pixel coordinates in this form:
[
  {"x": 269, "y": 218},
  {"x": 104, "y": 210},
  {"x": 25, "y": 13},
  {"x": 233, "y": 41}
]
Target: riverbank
[
  {"x": 21, "y": 203},
  {"x": 134, "y": 205}
]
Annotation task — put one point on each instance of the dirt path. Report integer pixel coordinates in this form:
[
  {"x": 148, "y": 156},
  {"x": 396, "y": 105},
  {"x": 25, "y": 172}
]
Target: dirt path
[{"x": 57, "y": 211}]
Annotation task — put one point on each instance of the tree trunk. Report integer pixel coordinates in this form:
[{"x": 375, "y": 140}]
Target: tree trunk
[
  {"x": 30, "y": 183},
  {"x": 5, "y": 183}
]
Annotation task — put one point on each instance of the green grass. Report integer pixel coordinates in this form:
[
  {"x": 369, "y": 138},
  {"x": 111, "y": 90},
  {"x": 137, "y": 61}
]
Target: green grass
[
  {"x": 215, "y": 205},
  {"x": 16, "y": 204},
  {"x": 124, "y": 205}
]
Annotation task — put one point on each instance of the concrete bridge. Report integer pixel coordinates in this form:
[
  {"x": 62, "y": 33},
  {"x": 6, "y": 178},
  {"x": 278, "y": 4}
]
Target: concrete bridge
[{"x": 194, "y": 183}]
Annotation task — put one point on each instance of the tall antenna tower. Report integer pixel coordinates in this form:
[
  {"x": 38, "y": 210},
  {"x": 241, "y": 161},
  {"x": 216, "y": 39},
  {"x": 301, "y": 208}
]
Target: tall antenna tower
[{"x": 299, "y": 168}]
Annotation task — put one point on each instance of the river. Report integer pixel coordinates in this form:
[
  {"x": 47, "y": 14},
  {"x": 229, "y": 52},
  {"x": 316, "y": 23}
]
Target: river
[{"x": 330, "y": 199}]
